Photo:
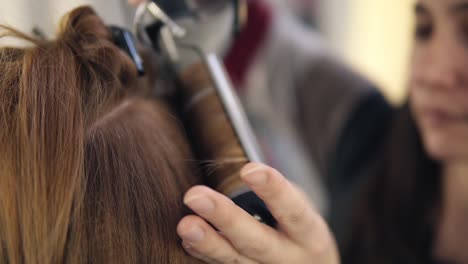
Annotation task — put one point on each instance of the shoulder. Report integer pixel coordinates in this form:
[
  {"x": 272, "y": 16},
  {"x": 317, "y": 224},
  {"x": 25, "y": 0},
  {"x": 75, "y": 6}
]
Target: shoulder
[
  {"x": 361, "y": 138},
  {"x": 351, "y": 163}
]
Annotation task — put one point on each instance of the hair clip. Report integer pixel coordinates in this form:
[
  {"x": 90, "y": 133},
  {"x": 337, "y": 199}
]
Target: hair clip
[{"x": 125, "y": 41}]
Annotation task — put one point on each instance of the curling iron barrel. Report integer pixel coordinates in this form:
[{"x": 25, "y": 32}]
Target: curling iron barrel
[{"x": 218, "y": 129}]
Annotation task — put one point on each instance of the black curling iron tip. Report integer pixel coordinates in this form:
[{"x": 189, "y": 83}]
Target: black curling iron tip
[
  {"x": 124, "y": 39},
  {"x": 253, "y": 205}
]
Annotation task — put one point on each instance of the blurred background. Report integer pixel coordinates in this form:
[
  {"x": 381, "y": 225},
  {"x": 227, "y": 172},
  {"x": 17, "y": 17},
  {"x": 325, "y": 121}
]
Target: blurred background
[{"x": 372, "y": 36}]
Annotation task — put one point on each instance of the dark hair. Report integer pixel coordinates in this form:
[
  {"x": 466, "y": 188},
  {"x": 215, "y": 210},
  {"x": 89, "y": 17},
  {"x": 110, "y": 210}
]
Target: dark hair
[
  {"x": 92, "y": 168},
  {"x": 394, "y": 217}
]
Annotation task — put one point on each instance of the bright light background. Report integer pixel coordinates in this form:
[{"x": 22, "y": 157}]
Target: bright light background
[
  {"x": 23, "y": 14},
  {"x": 374, "y": 36}
]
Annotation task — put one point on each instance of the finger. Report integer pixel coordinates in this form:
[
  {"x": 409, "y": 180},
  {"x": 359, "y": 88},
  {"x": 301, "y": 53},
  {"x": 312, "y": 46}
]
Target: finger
[
  {"x": 294, "y": 213},
  {"x": 203, "y": 242},
  {"x": 248, "y": 236}
]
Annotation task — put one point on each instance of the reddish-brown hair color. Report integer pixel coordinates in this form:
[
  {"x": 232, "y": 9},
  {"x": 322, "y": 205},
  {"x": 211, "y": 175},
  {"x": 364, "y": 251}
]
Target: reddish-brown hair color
[{"x": 92, "y": 168}]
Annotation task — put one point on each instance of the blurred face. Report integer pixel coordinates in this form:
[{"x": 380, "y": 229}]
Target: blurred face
[{"x": 439, "y": 77}]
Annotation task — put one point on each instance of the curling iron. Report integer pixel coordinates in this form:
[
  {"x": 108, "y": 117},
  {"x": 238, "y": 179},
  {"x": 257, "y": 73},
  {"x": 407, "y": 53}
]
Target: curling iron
[{"x": 211, "y": 111}]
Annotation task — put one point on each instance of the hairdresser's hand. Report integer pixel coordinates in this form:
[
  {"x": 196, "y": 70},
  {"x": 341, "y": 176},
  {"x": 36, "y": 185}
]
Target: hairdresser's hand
[{"x": 302, "y": 235}]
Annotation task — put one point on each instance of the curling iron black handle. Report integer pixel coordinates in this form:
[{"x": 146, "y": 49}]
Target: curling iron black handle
[{"x": 252, "y": 204}]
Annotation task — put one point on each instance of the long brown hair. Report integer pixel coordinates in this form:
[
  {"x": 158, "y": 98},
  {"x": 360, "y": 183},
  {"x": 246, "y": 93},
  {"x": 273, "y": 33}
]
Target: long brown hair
[
  {"x": 394, "y": 217},
  {"x": 92, "y": 168}
]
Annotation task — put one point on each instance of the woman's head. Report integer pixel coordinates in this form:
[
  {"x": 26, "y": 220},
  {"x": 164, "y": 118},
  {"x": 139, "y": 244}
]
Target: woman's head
[
  {"x": 439, "y": 78},
  {"x": 92, "y": 168}
]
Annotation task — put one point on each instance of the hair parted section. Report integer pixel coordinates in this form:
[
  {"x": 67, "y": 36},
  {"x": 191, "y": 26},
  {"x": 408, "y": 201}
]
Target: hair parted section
[{"x": 92, "y": 168}]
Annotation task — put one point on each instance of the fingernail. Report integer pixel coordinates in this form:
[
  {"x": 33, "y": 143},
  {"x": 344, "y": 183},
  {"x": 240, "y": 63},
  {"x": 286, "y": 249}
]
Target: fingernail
[
  {"x": 186, "y": 244},
  {"x": 200, "y": 204},
  {"x": 255, "y": 176},
  {"x": 194, "y": 235}
]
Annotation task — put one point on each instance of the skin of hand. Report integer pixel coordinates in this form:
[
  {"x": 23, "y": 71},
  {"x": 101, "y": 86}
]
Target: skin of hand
[{"x": 302, "y": 236}]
